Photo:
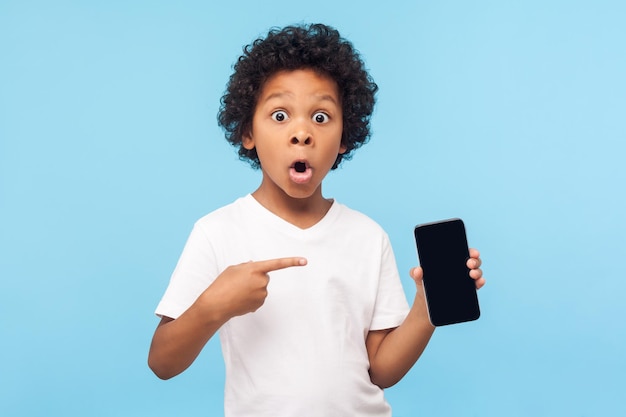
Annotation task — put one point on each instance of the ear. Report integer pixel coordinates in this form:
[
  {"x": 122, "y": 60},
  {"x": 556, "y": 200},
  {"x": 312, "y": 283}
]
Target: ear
[
  {"x": 247, "y": 141},
  {"x": 342, "y": 149}
]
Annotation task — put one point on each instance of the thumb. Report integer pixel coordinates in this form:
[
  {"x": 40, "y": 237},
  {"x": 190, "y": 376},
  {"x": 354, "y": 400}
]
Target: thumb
[{"x": 417, "y": 273}]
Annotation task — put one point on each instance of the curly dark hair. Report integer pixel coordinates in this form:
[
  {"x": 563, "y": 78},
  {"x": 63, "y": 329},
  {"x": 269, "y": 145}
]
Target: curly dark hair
[{"x": 317, "y": 47}]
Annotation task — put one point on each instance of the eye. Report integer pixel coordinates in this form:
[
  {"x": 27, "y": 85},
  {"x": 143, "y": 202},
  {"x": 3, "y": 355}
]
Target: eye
[
  {"x": 321, "y": 117},
  {"x": 279, "y": 116}
]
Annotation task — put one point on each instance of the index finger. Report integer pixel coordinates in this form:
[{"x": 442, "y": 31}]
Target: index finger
[{"x": 279, "y": 263}]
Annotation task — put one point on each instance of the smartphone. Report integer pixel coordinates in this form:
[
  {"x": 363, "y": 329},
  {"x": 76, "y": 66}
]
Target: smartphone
[{"x": 443, "y": 253}]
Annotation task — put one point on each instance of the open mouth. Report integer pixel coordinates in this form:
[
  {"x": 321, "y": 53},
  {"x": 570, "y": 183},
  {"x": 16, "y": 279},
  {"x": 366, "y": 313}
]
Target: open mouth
[
  {"x": 300, "y": 172},
  {"x": 299, "y": 166}
]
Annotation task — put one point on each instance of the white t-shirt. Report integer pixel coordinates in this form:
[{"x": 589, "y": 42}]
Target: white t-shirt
[{"x": 303, "y": 352}]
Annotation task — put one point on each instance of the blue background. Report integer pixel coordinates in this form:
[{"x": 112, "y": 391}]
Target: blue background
[{"x": 509, "y": 114}]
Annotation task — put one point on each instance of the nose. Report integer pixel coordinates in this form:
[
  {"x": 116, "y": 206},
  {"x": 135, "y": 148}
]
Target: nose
[
  {"x": 301, "y": 139},
  {"x": 301, "y": 135}
]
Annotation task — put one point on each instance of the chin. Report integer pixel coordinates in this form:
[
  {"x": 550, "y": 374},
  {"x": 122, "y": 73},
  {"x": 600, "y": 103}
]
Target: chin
[{"x": 301, "y": 192}]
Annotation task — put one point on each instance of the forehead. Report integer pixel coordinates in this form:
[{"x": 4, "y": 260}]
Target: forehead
[{"x": 300, "y": 83}]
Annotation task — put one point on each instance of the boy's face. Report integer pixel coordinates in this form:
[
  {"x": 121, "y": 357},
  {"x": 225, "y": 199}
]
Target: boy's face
[{"x": 296, "y": 130}]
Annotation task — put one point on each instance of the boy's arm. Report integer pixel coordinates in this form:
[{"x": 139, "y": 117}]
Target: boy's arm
[
  {"x": 392, "y": 352},
  {"x": 177, "y": 343},
  {"x": 239, "y": 290}
]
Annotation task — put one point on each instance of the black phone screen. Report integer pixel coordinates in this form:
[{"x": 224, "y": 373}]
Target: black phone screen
[{"x": 443, "y": 253}]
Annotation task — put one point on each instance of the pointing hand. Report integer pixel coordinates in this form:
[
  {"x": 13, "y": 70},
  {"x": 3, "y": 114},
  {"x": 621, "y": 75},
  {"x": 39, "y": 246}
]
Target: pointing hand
[{"x": 242, "y": 289}]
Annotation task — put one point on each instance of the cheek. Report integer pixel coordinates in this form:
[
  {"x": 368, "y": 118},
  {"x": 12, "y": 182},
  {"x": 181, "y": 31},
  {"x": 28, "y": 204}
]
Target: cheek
[
  {"x": 342, "y": 147},
  {"x": 268, "y": 155}
]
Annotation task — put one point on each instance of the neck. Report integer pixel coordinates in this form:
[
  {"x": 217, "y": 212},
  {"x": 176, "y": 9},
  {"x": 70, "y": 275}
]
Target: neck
[{"x": 301, "y": 212}]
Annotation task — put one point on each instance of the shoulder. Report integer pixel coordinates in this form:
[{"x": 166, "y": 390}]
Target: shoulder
[
  {"x": 223, "y": 215},
  {"x": 216, "y": 225},
  {"x": 357, "y": 220},
  {"x": 350, "y": 214}
]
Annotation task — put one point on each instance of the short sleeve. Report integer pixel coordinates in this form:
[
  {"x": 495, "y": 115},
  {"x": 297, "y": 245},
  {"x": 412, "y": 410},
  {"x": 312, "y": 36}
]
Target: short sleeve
[
  {"x": 391, "y": 306},
  {"x": 195, "y": 271}
]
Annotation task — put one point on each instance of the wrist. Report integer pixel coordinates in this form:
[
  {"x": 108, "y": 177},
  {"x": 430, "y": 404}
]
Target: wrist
[
  {"x": 209, "y": 312},
  {"x": 419, "y": 310}
]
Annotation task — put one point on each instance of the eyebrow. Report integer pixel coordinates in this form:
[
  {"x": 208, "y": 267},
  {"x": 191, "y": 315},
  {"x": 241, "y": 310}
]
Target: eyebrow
[
  {"x": 320, "y": 97},
  {"x": 277, "y": 95},
  {"x": 328, "y": 97}
]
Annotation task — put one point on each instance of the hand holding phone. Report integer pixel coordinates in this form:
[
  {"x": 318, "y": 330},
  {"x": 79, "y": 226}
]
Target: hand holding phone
[{"x": 450, "y": 291}]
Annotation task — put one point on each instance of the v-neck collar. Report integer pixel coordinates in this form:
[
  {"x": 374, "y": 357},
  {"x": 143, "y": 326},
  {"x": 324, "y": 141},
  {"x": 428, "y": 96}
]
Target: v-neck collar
[{"x": 279, "y": 223}]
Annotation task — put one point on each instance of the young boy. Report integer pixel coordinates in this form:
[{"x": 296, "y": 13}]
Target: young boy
[{"x": 304, "y": 291}]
